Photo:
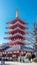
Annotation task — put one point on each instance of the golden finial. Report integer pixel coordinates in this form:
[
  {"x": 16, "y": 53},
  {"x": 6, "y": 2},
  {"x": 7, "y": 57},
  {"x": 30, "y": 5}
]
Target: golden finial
[{"x": 16, "y": 12}]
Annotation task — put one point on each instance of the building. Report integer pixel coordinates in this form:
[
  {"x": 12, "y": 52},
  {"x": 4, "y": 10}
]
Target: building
[
  {"x": 35, "y": 36},
  {"x": 17, "y": 31}
]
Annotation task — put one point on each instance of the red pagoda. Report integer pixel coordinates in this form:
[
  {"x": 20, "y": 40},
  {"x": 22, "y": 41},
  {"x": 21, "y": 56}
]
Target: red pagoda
[{"x": 17, "y": 36}]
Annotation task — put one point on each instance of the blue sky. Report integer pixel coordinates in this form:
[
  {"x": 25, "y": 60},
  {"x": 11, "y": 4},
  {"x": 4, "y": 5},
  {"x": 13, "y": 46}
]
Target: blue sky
[{"x": 27, "y": 12}]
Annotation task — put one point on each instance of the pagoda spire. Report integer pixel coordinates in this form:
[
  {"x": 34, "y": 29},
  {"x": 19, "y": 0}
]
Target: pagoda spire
[{"x": 17, "y": 12}]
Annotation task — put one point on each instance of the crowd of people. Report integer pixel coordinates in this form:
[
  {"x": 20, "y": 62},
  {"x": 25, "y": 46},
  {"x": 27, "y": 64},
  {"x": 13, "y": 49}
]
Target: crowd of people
[{"x": 27, "y": 55}]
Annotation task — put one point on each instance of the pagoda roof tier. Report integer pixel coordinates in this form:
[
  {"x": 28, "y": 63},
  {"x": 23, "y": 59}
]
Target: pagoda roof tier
[
  {"x": 20, "y": 48},
  {"x": 17, "y": 23},
  {"x": 16, "y": 37},
  {"x": 17, "y": 34},
  {"x": 17, "y": 40},
  {"x": 12, "y": 38},
  {"x": 17, "y": 30},
  {"x": 13, "y": 27},
  {"x": 15, "y": 20},
  {"x": 17, "y": 43},
  {"x": 14, "y": 32}
]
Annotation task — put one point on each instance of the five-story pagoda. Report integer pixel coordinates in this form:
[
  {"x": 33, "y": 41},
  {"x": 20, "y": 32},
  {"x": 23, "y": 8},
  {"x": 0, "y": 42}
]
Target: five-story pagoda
[{"x": 17, "y": 35}]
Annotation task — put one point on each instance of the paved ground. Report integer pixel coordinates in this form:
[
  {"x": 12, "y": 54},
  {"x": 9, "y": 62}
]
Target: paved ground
[{"x": 18, "y": 63}]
